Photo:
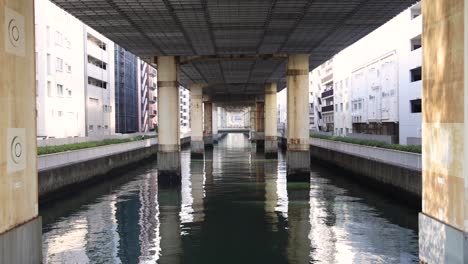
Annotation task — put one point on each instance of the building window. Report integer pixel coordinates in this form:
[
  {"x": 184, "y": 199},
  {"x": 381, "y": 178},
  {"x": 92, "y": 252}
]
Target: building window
[
  {"x": 416, "y": 11},
  {"x": 91, "y": 127},
  {"x": 93, "y": 100},
  {"x": 416, "y": 43},
  {"x": 69, "y": 93},
  {"x": 60, "y": 113},
  {"x": 58, "y": 38},
  {"x": 69, "y": 68},
  {"x": 48, "y": 36},
  {"x": 59, "y": 90},
  {"x": 59, "y": 64},
  {"x": 416, "y": 74},
  {"x": 97, "y": 83},
  {"x": 49, "y": 64},
  {"x": 416, "y": 106},
  {"x": 341, "y": 107},
  {"x": 97, "y": 63},
  {"x": 49, "y": 88},
  {"x": 97, "y": 42},
  {"x": 107, "y": 108}
]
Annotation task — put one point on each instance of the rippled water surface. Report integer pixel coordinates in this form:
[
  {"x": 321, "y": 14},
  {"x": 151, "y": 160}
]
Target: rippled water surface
[{"x": 233, "y": 207}]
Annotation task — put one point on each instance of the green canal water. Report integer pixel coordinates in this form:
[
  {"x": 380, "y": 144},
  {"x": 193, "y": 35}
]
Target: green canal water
[{"x": 234, "y": 206}]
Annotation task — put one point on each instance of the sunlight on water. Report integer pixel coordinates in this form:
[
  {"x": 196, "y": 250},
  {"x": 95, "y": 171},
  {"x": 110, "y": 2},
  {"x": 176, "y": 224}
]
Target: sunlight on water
[{"x": 234, "y": 206}]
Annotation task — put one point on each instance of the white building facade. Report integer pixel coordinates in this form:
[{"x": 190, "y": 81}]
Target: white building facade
[
  {"x": 59, "y": 72},
  {"x": 147, "y": 97},
  {"x": 375, "y": 86},
  {"x": 99, "y": 83},
  {"x": 184, "y": 97}
]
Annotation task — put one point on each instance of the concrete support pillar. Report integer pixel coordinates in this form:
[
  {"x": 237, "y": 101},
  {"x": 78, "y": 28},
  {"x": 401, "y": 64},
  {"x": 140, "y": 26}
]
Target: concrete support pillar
[
  {"x": 298, "y": 153},
  {"x": 252, "y": 115},
  {"x": 169, "y": 122},
  {"x": 271, "y": 120},
  {"x": 260, "y": 124},
  {"x": 20, "y": 225},
  {"x": 215, "y": 124},
  {"x": 208, "y": 124},
  {"x": 443, "y": 223},
  {"x": 196, "y": 115}
]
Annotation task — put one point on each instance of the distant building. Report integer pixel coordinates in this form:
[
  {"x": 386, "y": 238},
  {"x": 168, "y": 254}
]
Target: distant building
[
  {"x": 59, "y": 72},
  {"x": 99, "y": 83},
  {"x": 147, "y": 96},
  {"x": 373, "y": 87},
  {"x": 184, "y": 110},
  {"x": 126, "y": 91}
]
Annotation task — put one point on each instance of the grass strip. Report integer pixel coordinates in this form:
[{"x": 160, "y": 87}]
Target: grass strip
[
  {"x": 371, "y": 143},
  {"x": 69, "y": 147}
]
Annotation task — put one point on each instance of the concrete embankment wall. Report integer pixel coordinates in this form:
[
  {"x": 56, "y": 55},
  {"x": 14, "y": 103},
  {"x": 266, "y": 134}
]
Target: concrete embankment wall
[
  {"x": 76, "y": 140},
  {"x": 61, "y": 172},
  {"x": 397, "y": 173}
]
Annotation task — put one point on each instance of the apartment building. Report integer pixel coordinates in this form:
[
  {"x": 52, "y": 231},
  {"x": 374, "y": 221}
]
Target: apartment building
[
  {"x": 373, "y": 87},
  {"x": 59, "y": 72},
  {"x": 99, "y": 83},
  {"x": 147, "y": 97},
  {"x": 126, "y": 91},
  {"x": 184, "y": 95}
]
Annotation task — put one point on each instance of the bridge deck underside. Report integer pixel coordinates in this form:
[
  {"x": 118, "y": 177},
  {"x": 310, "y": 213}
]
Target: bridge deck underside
[{"x": 229, "y": 27}]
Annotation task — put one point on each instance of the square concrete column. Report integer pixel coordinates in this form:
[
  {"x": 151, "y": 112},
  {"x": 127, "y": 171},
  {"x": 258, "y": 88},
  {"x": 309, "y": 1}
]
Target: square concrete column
[
  {"x": 252, "y": 115},
  {"x": 169, "y": 122},
  {"x": 443, "y": 223},
  {"x": 298, "y": 150},
  {"x": 20, "y": 225},
  {"x": 271, "y": 122},
  {"x": 196, "y": 115},
  {"x": 260, "y": 125},
  {"x": 208, "y": 124},
  {"x": 215, "y": 124}
]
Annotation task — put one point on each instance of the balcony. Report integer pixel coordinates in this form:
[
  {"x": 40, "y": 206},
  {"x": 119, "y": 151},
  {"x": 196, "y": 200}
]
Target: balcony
[
  {"x": 328, "y": 108},
  {"x": 152, "y": 87},
  {"x": 153, "y": 113},
  {"x": 152, "y": 100},
  {"x": 327, "y": 93}
]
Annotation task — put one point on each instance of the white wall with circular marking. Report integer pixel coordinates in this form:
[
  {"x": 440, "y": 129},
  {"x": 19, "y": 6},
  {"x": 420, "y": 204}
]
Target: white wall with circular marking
[
  {"x": 14, "y": 33},
  {"x": 16, "y": 149}
]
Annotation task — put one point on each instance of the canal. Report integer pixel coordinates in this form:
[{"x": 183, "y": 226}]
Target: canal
[{"x": 233, "y": 207}]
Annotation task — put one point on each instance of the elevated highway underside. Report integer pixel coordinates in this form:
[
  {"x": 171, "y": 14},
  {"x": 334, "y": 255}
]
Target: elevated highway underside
[{"x": 238, "y": 44}]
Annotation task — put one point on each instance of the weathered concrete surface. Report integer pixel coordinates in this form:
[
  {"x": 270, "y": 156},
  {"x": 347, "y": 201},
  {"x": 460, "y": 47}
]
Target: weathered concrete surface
[
  {"x": 271, "y": 147},
  {"x": 445, "y": 129},
  {"x": 451, "y": 245},
  {"x": 298, "y": 166},
  {"x": 22, "y": 244},
  {"x": 196, "y": 116},
  {"x": 271, "y": 121},
  {"x": 197, "y": 148},
  {"x": 61, "y": 159},
  {"x": 53, "y": 182},
  {"x": 208, "y": 141},
  {"x": 168, "y": 109},
  {"x": 169, "y": 168},
  {"x": 208, "y": 124},
  {"x": 403, "y": 182},
  {"x": 388, "y": 156}
]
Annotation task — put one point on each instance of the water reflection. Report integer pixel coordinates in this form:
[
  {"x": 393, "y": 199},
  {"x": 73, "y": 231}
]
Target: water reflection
[{"x": 234, "y": 206}]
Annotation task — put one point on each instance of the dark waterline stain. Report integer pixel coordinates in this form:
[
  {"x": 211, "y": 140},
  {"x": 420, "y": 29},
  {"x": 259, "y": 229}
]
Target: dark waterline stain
[{"x": 234, "y": 206}]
